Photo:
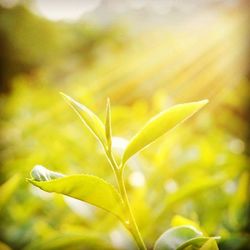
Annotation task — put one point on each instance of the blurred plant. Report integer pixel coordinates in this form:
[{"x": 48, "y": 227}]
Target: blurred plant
[
  {"x": 100, "y": 193},
  {"x": 7, "y": 190}
]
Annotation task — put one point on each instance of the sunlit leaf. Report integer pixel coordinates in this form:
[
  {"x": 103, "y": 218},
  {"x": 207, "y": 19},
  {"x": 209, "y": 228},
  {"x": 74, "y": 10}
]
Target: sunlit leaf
[
  {"x": 93, "y": 123},
  {"x": 88, "y": 188},
  {"x": 108, "y": 128},
  {"x": 196, "y": 242},
  {"x": 7, "y": 189},
  {"x": 210, "y": 245},
  {"x": 175, "y": 237},
  {"x": 159, "y": 125}
]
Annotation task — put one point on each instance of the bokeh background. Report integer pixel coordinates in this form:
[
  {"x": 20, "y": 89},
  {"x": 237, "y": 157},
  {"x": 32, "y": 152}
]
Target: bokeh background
[{"x": 146, "y": 56}]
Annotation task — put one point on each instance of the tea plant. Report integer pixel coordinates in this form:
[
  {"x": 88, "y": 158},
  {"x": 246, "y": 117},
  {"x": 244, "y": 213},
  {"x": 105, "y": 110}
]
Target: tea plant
[{"x": 100, "y": 193}]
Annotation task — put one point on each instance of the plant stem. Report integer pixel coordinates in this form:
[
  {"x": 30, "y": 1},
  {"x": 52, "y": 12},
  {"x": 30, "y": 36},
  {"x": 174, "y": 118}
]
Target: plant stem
[{"x": 131, "y": 224}]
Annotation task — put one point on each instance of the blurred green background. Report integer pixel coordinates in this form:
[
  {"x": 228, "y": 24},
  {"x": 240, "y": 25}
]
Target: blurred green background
[{"x": 146, "y": 56}]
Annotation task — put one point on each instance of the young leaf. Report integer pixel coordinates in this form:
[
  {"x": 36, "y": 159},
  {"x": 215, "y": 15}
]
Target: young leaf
[
  {"x": 108, "y": 128},
  {"x": 40, "y": 173},
  {"x": 196, "y": 243},
  {"x": 93, "y": 123},
  {"x": 181, "y": 238},
  {"x": 88, "y": 188},
  {"x": 159, "y": 125},
  {"x": 175, "y": 237}
]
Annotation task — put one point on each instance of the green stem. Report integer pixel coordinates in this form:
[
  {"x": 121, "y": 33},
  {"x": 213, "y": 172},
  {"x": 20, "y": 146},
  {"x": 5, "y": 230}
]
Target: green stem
[{"x": 130, "y": 224}]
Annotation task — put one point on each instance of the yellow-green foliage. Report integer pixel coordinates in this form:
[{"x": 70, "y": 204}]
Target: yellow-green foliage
[{"x": 199, "y": 171}]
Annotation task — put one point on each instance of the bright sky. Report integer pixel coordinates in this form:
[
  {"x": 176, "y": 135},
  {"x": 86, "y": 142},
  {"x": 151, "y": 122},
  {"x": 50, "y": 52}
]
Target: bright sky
[
  {"x": 72, "y": 10},
  {"x": 62, "y": 9}
]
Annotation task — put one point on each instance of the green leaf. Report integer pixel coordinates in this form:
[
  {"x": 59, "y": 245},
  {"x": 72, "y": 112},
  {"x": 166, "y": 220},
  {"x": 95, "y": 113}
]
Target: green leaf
[
  {"x": 181, "y": 238},
  {"x": 175, "y": 237},
  {"x": 88, "y": 188},
  {"x": 210, "y": 245},
  {"x": 196, "y": 242},
  {"x": 108, "y": 128},
  {"x": 92, "y": 122},
  {"x": 159, "y": 125}
]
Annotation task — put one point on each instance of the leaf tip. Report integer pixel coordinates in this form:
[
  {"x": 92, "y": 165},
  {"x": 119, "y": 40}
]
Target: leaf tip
[
  {"x": 108, "y": 101},
  {"x": 200, "y": 104},
  {"x": 61, "y": 93},
  {"x": 64, "y": 96},
  {"x": 108, "y": 108},
  {"x": 29, "y": 180},
  {"x": 204, "y": 102}
]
